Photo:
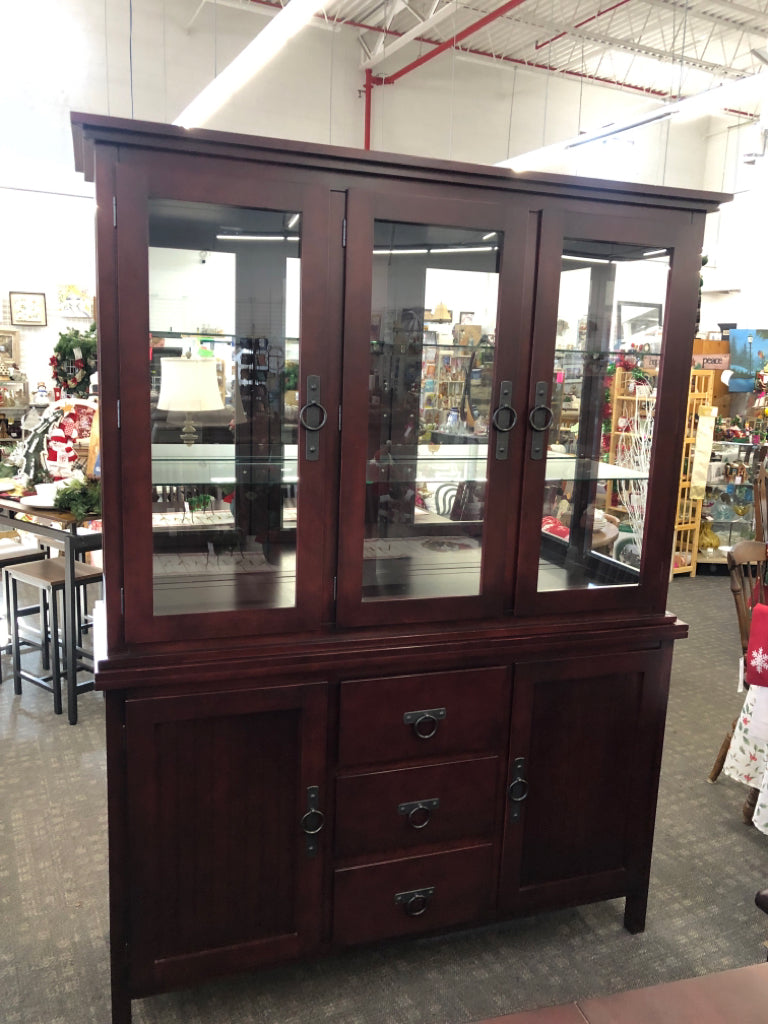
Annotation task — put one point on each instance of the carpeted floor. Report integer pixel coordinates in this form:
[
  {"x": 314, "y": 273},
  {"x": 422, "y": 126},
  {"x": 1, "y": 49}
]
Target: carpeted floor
[{"x": 701, "y": 918}]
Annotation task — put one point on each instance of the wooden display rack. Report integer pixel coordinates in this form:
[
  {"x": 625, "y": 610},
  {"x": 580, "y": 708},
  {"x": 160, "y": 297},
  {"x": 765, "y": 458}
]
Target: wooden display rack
[{"x": 688, "y": 522}]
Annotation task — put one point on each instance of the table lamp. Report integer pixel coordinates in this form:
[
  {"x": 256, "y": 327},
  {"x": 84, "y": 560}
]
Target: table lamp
[{"x": 189, "y": 385}]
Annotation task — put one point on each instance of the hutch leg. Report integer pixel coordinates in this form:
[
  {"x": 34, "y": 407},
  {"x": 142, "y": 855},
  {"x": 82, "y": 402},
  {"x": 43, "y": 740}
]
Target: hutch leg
[
  {"x": 121, "y": 1005},
  {"x": 635, "y": 907}
]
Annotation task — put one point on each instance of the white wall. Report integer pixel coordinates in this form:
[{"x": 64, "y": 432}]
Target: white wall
[{"x": 75, "y": 54}]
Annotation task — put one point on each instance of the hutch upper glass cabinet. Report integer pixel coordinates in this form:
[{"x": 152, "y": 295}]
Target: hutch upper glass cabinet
[{"x": 390, "y": 455}]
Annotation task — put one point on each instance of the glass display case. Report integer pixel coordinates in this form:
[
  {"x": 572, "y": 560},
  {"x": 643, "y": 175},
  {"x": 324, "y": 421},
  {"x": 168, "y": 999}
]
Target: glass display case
[
  {"x": 371, "y": 429},
  {"x": 728, "y": 509}
]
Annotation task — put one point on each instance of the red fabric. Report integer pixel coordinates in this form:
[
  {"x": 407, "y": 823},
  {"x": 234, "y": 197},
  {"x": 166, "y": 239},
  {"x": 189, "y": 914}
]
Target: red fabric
[
  {"x": 757, "y": 650},
  {"x": 551, "y": 525}
]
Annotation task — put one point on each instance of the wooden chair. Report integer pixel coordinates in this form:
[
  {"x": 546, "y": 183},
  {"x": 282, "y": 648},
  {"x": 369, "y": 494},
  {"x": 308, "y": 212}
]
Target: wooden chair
[
  {"x": 747, "y": 565},
  {"x": 760, "y": 498}
]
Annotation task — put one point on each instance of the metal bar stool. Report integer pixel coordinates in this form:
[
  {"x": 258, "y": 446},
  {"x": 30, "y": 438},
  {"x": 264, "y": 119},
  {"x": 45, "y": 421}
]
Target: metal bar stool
[
  {"x": 47, "y": 576},
  {"x": 16, "y": 554}
]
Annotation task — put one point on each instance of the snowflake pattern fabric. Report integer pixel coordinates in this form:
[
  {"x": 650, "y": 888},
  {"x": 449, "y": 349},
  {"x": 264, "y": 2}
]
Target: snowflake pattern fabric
[
  {"x": 756, "y": 664},
  {"x": 747, "y": 761},
  {"x": 759, "y": 660}
]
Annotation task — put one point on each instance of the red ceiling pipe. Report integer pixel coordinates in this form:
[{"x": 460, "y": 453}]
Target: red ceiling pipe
[
  {"x": 592, "y": 17},
  {"x": 368, "y": 91},
  {"x": 371, "y": 80},
  {"x": 450, "y": 43}
]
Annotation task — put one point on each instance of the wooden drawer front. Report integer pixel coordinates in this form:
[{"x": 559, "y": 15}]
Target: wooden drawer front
[
  {"x": 383, "y": 900},
  {"x": 469, "y": 715},
  {"x": 386, "y": 811}
]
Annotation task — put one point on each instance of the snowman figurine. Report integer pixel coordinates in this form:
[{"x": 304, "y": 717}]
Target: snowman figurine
[{"x": 60, "y": 454}]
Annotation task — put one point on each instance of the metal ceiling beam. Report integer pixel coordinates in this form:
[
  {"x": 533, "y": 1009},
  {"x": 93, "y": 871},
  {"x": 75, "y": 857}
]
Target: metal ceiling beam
[
  {"x": 412, "y": 35},
  {"x": 452, "y": 42},
  {"x": 725, "y": 20},
  {"x": 580, "y": 24},
  {"x": 629, "y": 45}
]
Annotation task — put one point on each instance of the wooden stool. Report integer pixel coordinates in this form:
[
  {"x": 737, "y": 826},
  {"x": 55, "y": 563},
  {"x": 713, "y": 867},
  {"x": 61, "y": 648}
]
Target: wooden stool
[{"x": 48, "y": 577}]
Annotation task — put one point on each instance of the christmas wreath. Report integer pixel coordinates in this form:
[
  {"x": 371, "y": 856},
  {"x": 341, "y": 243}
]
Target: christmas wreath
[{"x": 74, "y": 360}]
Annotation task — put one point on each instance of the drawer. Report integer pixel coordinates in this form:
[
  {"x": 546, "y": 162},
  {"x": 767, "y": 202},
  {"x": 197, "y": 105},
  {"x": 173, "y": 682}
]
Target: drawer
[
  {"x": 411, "y": 896},
  {"x": 387, "y": 811},
  {"x": 434, "y": 714}
]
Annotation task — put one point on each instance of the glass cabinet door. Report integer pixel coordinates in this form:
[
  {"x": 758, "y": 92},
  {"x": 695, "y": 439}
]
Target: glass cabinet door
[
  {"x": 595, "y": 430},
  {"x": 233, "y": 403},
  {"x": 428, "y": 396}
]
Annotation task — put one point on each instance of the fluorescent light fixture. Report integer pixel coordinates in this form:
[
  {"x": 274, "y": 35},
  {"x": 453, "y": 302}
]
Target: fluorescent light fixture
[
  {"x": 584, "y": 259},
  {"x": 267, "y": 44},
  {"x": 251, "y": 238},
  {"x": 703, "y": 103},
  {"x": 465, "y": 248},
  {"x": 489, "y": 236},
  {"x": 656, "y": 252},
  {"x": 435, "y": 250},
  {"x": 400, "y": 252},
  {"x": 293, "y": 221}
]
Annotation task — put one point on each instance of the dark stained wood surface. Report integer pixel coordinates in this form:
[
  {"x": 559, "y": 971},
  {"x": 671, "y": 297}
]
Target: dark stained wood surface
[
  {"x": 365, "y": 905},
  {"x": 220, "y": 724},
  {"x": 199, "y": 141},
  {"x": 372, "y": 727}
]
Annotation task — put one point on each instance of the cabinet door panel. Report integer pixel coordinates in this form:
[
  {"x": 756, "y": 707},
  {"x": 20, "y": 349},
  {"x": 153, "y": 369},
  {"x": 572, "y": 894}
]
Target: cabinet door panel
[
  {"x": 604, "y": 427},
  {"x": 434, "y": 325},
  {"x": 224, "y": 477},
  {"x": 586, "y": 743},
  {"x": 220, "y": 871}
]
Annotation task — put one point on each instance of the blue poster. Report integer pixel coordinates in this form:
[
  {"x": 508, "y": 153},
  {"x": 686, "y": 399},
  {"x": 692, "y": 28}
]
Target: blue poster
[{"x": 749, "y": 353}]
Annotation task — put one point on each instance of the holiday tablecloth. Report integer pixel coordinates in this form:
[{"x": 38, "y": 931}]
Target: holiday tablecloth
[{"x": 747, "y": 758}]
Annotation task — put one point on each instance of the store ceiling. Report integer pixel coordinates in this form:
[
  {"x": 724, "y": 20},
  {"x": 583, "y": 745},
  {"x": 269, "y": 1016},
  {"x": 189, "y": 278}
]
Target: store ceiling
[{"x": 663, "y": 48}]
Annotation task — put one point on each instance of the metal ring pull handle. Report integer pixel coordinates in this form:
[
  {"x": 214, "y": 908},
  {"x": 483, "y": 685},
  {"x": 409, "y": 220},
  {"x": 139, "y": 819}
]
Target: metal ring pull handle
[
  {"x": 522, "y": 794},
  {"x": 419, "y": 817},
  {"x": 502, "y": 412},
  {"x": 418, "y": 813},
  {"x": 312, "y": 451},
  {"x": 512, "y": 418},
  {"x": 416, "y": 902},
  {"x": 425, "y": 727},
  {"x": 548, "y": 419},
  {"x": 425, "y": 722},
  {"x": 311, "y": 426},
  {"x": 313, "y": 822},
  {"x": 517, "y": 790}
]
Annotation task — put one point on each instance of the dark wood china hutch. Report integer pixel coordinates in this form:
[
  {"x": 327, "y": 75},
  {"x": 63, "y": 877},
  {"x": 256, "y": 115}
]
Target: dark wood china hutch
[{"x": 386, "y": 648}]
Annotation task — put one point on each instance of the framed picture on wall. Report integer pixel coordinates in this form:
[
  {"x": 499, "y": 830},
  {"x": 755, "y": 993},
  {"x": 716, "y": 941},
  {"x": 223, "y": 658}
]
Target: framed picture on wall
[
  {"x": 28, "y": 309},
  {"x": 9, "y": 347}
]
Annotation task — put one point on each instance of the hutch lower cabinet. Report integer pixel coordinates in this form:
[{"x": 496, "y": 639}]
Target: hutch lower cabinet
[{"x": 385, "y": 644}]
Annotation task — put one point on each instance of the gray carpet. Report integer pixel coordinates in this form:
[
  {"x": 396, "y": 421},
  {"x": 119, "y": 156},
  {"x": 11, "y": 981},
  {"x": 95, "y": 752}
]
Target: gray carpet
[{"x": 701, "y": 917}]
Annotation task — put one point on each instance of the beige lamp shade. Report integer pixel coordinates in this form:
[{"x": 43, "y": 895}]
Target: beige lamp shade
[{"x": 189, "y": 385}]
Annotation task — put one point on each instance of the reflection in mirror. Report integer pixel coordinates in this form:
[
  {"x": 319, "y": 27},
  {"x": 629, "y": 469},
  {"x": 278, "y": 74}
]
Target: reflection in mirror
[
  {"x": 606, "y": 357},
  {"x": 432, "y": 349},
  {"x": 223, "y": 382}
]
